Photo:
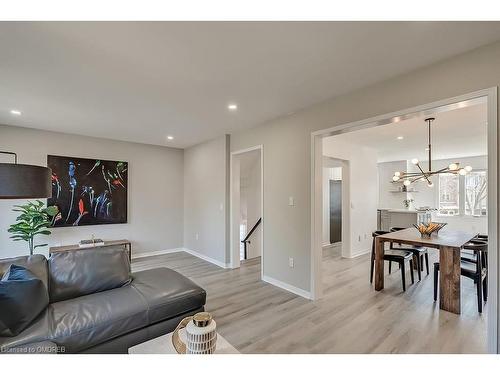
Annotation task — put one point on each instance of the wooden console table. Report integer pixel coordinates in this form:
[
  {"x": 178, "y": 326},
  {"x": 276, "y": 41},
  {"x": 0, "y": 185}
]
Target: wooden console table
[{"x": 125, "y": 243}]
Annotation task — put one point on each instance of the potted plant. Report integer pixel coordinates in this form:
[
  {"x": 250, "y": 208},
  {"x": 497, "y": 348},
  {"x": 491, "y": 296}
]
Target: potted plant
[
  {"x": 407, "y": 203},
  {"x": 33, "y": 221}
]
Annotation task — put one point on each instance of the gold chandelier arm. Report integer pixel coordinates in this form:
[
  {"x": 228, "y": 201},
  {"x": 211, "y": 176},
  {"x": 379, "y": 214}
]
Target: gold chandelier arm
[{"x": 424, "y": 175}]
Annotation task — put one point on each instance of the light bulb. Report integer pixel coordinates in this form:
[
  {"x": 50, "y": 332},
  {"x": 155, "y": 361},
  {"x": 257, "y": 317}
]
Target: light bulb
[
  {"x": 430, "y": 184},
  {"x": 453, "y": 166},
  {"x": 406, "y": 183},
  {"x": 462, "y": 172},
  {"x": 414, "y": 161},
  {"x": 468, "y": 168},
  {"x": 395, "y": 178},
  {"x": 397, "y": 174}
]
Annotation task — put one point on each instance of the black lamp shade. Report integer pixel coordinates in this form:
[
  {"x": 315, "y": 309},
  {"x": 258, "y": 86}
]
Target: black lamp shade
[{"x": 18, "y": 181}]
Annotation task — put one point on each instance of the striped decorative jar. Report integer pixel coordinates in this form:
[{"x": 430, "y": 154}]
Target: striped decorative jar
[{"x": 201, "y": 335}]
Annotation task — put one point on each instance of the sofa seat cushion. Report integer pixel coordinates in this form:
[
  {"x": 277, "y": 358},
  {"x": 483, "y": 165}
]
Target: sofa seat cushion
[
  {"x": 41, "y": 347},
  {"x": 167, "y": 293},
  {"x": 83, "y": 322},
  {"x": 39, "y": 330}
]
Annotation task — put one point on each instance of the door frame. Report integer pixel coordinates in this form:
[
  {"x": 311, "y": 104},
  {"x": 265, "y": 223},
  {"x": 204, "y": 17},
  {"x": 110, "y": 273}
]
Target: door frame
[
  {"x": 488, "y": 95},
  {"x": 234, "y": 204}
]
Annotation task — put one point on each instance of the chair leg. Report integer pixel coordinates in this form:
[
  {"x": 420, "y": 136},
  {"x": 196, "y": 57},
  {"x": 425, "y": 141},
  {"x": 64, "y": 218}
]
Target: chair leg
[
  {"x": 436, "y": 278},
  {"x": 485, "y": 289},
  {"x": 426, "y": 255},
  {"x": 402, "y": 265},
  {"x": 420, "y": 265},
  {"x": 390, "y": 266},
  {"x": 479, "y": 296},
  {"x": 411, "y": 272},
  {"x": 372, "y": 263}
]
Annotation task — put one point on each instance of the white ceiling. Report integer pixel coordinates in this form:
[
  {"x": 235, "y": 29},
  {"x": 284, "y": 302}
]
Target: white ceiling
[
  {"x": 142, "y": 81},
  {"x": 457, "y": 133}
]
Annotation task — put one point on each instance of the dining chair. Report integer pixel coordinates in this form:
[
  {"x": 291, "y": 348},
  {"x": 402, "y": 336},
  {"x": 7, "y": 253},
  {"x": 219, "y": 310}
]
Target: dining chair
[
  {"x": 469, "y": 255},
  {"x": 399, "y": 256},
  {"x": 419, "y": 252},
  {"x": 476, "y": 271}
]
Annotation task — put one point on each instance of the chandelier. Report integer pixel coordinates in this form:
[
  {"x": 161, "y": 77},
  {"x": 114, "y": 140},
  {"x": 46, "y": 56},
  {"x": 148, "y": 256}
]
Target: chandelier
[{"x": 409, "y": 178}]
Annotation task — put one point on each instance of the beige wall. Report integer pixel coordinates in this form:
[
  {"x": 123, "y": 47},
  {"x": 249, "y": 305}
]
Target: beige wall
[
  {"x": 287, "y": 141},
  {"x": 155, "y": 194},
  {"x": 206, "y": 194}
]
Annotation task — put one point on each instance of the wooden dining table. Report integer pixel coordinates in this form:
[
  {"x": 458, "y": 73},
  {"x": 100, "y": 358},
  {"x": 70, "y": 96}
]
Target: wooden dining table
[{"x": 449, "y": 242}]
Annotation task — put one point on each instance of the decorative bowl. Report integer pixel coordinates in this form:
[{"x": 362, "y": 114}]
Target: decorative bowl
[{"x": 427, "y": 229}]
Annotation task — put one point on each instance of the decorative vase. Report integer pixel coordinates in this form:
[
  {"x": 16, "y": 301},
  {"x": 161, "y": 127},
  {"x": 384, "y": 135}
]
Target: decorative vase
[{"x": 201, "y": 335}]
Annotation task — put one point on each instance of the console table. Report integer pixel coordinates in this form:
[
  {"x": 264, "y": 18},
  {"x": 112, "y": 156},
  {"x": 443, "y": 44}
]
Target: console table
[{"x": 125, "y": 243}]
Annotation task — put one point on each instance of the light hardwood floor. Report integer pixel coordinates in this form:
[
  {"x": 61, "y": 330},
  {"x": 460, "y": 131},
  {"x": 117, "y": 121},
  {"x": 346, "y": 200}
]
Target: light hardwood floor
[{"x": 257, "y": 317}]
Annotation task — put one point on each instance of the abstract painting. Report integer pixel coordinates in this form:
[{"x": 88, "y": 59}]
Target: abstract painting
[{"x": 88, "y": 191}]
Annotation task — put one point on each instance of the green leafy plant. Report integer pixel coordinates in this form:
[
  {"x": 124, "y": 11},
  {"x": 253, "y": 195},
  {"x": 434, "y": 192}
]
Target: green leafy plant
[{"x": 33, "y": 221}]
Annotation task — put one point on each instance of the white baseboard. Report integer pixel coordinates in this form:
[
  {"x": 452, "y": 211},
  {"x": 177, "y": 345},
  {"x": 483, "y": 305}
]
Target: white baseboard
[
  {"x": 267, "y": 279},
  {"x": 288, "y": 287},
  {"x": 177, "y": 250},
  {"x": 208, "y": 259},
  {"x": 154, "y": 253},
  {"x": 359, "y": 254}
]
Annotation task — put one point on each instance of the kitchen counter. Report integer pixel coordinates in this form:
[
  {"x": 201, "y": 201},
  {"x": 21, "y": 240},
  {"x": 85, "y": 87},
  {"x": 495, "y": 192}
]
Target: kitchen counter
[
  {"x": 395, "y": 217},
  {"x": 403, "y": 210}
]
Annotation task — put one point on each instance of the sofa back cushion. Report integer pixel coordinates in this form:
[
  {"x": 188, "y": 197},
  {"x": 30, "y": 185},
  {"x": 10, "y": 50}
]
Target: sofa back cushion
[
  {"x": 36, "y": 264},
  {"x": 80, "y": 272}
]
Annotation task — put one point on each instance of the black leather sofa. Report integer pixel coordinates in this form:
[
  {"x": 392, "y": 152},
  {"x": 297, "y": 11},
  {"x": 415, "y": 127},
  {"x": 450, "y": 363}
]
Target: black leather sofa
[{"x": 98, "y": 306}]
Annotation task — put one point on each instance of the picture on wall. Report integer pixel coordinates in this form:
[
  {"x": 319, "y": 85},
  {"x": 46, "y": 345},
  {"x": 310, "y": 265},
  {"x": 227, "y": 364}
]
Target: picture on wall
[{"x": 88, "y": 191}]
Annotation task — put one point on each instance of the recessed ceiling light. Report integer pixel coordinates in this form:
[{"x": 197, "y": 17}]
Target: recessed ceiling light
[
  {"x": 232, "y": 107},
  {"x": 15, "y": 112},
  {"x": 400, "y": 137},
  {"x": 169, "y": 137}
]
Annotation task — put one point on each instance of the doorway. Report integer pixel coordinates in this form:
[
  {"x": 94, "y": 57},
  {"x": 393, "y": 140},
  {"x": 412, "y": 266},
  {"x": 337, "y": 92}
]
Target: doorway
[
  {"x": 335, "y": 227},
  {"x": 488, "y": 96},
  {"x": 247, "y": 206}
]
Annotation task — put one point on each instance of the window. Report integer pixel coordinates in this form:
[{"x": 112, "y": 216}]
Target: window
[
  {"x": 463, "y": 195},
  {"x": 449, "y": 198},
  {"x": 476, "y": 193}
]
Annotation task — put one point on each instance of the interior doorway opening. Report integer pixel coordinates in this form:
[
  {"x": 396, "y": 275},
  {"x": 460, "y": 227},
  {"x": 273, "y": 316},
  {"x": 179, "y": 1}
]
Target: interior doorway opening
[
  {"x": 335, "y": 211},
  {"x": 247, "y": 206},
  {"x": 449, "y": 203}
]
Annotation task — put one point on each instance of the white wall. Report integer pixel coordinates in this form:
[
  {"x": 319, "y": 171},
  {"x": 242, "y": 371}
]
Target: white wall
[
  {"x": 155, "y": 189},
  {"x": 363, "y": 192},
  {"x": 250, "y": 195},
  {"x": 287, "y": 141},
  {"x": 387, "y": 199},
  {"x": 206, "y": 194}
]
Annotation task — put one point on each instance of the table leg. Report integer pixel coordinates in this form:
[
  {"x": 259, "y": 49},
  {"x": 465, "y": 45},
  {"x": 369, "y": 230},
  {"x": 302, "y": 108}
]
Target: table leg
[
  {"x": 449, "y": 279},
  {"x": 379, "y": 264}
]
